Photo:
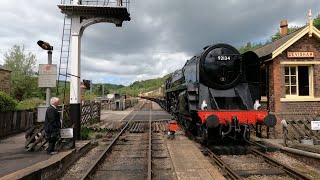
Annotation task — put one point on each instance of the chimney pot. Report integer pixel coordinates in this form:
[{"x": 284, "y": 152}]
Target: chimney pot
[{"x": 284, "y": 27}]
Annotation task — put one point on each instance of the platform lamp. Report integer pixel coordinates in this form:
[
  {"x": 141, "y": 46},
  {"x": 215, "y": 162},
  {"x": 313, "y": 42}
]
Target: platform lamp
[{"x": 46, "y": 46}]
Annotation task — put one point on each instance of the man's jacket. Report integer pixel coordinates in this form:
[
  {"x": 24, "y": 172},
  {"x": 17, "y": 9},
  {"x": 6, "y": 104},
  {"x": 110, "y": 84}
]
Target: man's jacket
[{"x": 52, "y": 123}]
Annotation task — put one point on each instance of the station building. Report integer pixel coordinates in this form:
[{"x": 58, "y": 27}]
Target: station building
[
  {"x": 5, "y": 79},
  {"x": 290, "y": 73}
]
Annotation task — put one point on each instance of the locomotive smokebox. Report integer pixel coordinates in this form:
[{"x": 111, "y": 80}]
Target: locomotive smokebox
[
  {"x": 220, "y": 66},
  {"x": 212, "y": 121},
  {"x": 270, "y": 120}
]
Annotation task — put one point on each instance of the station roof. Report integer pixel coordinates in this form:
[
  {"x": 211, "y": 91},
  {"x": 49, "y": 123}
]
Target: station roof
[
  {"x": 269, "y": 48},
  {"x": 93, "y": 11},
  {"x": 273, "y": 49}
]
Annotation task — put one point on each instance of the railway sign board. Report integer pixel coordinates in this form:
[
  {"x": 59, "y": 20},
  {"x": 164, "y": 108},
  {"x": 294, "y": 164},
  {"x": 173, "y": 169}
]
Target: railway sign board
[
  {"x": 47, "y": 75},
  {"x": 66, "y": 133},
  {"x": 315, "y": 125},
  {"x": 300, "y": 54}
]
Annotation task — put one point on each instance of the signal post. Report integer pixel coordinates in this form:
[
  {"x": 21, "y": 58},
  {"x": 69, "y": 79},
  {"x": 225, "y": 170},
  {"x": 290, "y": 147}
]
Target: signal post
[{"x": 82, "y": 16}]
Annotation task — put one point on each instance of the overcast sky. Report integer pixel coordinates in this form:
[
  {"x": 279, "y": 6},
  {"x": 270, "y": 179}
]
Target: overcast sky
[{"x": 160, "y": 37}]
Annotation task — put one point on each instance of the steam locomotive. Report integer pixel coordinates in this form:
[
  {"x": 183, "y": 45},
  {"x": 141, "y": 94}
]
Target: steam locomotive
[{"x": 216, "y": 95}]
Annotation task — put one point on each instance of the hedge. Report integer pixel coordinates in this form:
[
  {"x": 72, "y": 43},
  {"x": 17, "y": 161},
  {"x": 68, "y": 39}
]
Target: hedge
[{"x": 7, "y": 103}]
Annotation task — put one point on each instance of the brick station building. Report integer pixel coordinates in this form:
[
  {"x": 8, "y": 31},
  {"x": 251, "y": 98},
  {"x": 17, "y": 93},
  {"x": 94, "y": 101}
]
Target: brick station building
[
  {"x": 5, "y": 79},
  {"x": 290, "y": 73}
]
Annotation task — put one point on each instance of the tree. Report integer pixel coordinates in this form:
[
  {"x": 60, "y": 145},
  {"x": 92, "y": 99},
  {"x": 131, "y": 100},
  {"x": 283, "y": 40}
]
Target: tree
[
  {"x": 316, "y": 22},
  {"x": 278, "y": 33},
  {"x": 23, "y": 81},
  {"x": 249, "y": 47}
]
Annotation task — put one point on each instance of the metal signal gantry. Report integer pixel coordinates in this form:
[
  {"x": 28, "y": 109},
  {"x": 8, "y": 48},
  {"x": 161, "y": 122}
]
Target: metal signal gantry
[{"x": 83, "y": 14}]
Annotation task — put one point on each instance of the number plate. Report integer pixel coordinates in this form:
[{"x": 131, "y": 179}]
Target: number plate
[
  {"x": 224, "y": 58},
  {"x": 315, "y": 125}
]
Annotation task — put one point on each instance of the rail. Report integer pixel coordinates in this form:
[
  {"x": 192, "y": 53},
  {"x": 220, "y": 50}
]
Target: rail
[
  {"x": 219, "y": 162},
  {"x": 234, "y": 175},
  {"x": 293, "y": 173},
  {"x": 109, "y": 148},
  {"x": 224, "y": 166},
  {"x": 150, "y": 146}
]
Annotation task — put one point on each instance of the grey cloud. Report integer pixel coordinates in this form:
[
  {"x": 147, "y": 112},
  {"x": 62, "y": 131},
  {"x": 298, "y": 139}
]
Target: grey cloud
[{"x": 160, "y": 36}]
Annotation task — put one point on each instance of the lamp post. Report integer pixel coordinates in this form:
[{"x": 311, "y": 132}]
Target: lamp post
[{"x": 46, "y": 46}]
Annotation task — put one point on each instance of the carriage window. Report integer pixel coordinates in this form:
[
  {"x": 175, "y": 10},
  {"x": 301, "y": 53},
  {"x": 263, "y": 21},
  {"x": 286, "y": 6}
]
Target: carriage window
[{"x": 297, "y": 80}]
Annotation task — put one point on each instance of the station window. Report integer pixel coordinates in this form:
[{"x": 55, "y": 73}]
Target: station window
[{"x": 298, "y": 80}]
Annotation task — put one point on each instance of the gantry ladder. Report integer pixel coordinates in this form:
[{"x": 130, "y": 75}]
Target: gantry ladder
[{"x": 64, "y": 57}]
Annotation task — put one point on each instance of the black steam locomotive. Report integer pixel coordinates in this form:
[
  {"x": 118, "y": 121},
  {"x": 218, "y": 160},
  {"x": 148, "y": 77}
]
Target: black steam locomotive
[{"x": 216, "y": 94}]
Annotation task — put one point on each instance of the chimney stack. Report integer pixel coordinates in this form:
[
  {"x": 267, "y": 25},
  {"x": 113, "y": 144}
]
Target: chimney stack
[{"x": 284, "y": 27}]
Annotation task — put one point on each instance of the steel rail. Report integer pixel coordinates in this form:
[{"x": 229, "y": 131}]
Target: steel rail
[
  {"x": 223, "y": 165},
  {"x": 150, "y": 145},
  {"x": 218, "y": 161},
  {"x": 108, "y": 149},
  {"x": 233, "y": 175},
  {"x": 290, "y": 171}
]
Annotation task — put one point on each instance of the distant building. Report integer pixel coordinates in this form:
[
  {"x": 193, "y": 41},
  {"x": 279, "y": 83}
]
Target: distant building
[
  {"x": 117, "y": 101},
  {"x": 5, "y": 79},
  {"x": 290, "y": 73}
]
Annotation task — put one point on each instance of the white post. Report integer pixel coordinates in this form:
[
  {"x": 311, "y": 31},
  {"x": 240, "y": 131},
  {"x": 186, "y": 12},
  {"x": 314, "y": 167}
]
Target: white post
[
  {"x": 75, "y": 95},
  {"x": 75, "y": 90}
]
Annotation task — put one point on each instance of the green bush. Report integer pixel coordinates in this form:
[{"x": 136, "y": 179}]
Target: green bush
[
  {"x": 30, "y": 103},
  {"x": 7, "y": 103},
  {"x": 86, "y": 133}
]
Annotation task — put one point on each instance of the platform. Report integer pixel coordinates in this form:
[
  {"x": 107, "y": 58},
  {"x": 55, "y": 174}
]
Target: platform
[
  {"x": 17, "y": 163},
  {"x": 114, "y": 116},
  {"x": 188, "y": 160}
]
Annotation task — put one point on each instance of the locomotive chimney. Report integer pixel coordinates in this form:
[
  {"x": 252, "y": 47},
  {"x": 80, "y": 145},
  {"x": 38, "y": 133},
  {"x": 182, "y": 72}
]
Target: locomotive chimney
[{"x": 284, "y": 27}]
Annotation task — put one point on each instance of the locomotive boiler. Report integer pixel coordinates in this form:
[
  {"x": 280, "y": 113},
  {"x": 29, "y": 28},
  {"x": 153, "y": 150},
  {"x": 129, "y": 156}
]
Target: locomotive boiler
[{"x": 216, "y": 94}]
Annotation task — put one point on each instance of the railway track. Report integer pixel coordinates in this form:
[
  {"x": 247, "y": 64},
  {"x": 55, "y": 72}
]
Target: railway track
[
  {"x": 136, "y": 152},
  {"x": 127, "y": 157},
  {"x": 252, "y": 165}
]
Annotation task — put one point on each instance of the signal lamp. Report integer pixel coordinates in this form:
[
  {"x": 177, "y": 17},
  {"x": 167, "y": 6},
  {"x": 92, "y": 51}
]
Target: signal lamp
[{"x": 45, "y": 45}]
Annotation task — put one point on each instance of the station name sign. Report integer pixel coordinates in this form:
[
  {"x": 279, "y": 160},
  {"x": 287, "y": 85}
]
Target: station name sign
[{"x": 300, "y": 54}]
